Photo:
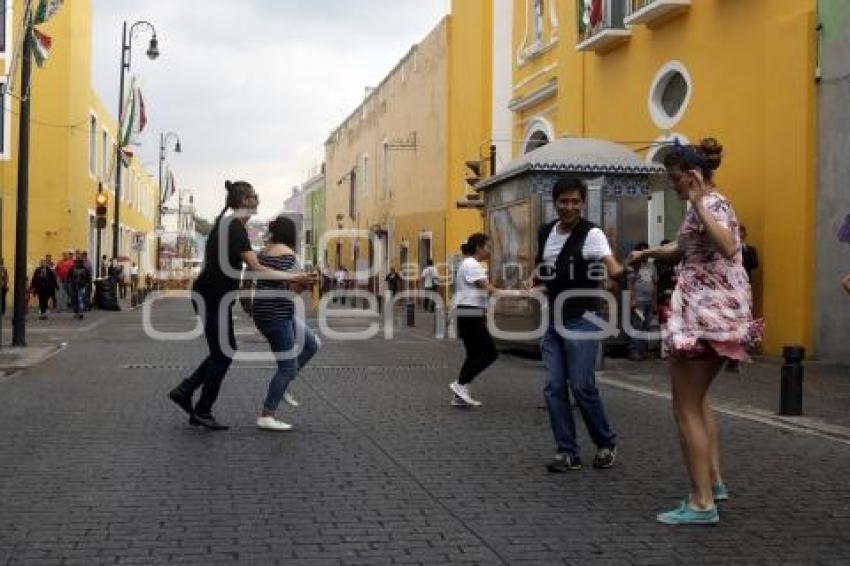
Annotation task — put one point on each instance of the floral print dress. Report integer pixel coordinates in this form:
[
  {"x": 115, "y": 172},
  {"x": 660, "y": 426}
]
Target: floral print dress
[{"x": 711, "y": 307}]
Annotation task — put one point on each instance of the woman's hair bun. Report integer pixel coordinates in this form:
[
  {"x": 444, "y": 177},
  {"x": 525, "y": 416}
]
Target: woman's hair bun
[
  {"x": 228, "y": 185},
  {"x": 712, "y": 152}
]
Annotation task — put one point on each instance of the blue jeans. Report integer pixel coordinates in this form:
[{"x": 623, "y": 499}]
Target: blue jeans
[
  {"x": 569, "y": 365},
  {"x": 281, "y": 335}
]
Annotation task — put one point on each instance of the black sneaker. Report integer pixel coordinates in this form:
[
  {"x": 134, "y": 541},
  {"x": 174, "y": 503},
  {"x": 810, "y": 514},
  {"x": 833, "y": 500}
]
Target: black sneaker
[
  {"x": 605, "y": 458},
  {"x": 206, "y": 421},
  {"x": 181, "y": 400},
  {"x": 564, "y": 463}
]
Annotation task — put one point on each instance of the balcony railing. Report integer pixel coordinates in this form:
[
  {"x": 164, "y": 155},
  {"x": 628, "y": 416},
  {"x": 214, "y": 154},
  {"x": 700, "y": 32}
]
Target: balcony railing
[
  {"x": 651, "y": 11},
  {"x": 603, "y": 29}
]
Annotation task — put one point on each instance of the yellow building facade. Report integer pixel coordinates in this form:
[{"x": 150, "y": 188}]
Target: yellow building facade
[
  {"x": 386, "y": 169},
  {"x": 72, "y": 150},
  {"x": 643, "y": 73}
]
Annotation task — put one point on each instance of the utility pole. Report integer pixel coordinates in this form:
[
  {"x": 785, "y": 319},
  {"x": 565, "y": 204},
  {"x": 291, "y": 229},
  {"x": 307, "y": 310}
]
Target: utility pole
[{"x": 19, "y": 317}]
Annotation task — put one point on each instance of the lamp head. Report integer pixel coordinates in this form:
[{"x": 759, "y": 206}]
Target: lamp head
[
  {"x": 178, "y": 148},
  {"x": 153, "y": 49}
]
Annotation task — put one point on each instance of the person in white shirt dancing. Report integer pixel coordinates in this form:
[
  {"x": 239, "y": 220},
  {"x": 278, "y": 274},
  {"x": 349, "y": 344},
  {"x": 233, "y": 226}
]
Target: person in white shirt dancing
[{"x": 472, "y": 289}]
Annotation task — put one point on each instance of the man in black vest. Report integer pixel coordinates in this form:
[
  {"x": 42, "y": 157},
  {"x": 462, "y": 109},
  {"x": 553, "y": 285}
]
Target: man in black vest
[{"x": 573, "y": 255}]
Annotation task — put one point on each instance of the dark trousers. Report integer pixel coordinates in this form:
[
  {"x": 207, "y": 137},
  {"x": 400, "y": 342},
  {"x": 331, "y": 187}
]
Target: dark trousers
[
  {"x": 480, "y": 349},
  {"x": 210, "y": 373},
  {"x": 44, "y": 301}
]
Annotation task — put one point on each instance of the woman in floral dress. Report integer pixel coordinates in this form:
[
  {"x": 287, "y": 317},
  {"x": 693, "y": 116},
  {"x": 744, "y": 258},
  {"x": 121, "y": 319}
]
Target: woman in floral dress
[{"x": 710, "y": 321}]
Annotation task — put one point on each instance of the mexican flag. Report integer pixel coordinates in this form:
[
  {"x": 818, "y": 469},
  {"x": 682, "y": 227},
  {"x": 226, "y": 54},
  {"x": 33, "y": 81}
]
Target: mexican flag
[
  {"x": 134, "y": 117},
  {"x": 41, "y": 44},
  {"x": 170, "y": 187},
  {"x": 45, "y": 10}
]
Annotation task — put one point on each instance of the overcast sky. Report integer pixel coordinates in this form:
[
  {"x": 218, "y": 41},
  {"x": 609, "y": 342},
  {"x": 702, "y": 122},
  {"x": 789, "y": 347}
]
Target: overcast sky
[{"x": 253, "y": 87}]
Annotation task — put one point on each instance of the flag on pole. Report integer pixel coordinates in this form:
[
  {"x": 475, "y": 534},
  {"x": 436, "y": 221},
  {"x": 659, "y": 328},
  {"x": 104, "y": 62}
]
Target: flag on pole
[
  {"x": 41, "y": 44},
  {"x": 46, "y": 9},
  {"x": 170, "y": 187},
  {"x": 134, "y": 117}
]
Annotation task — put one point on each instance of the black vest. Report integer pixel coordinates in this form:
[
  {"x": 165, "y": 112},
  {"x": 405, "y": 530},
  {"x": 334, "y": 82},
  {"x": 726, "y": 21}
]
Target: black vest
[{"x": 572, "y": 271}]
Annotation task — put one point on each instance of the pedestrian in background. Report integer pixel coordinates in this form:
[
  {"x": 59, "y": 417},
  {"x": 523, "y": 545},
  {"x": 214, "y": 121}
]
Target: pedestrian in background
[
  {"x": 134, "y": 278},
  {"x": 710, "y": 320},
  {"x": 63, "y": 268},
  {"x": 88, "y": 292},
  {"x": 429, "y": 279},
  {"x": 472, "y": 290},
  {"x": 80, "y": 280},
  {"x": 642, "y": 282},
  {"x": 569, "y": 251},
  {"x": 292, "y": 342},
  {"x": 228, "y": 241},
  {"x": 393, "y": 281},
  {"x": 43, "y": 285}
]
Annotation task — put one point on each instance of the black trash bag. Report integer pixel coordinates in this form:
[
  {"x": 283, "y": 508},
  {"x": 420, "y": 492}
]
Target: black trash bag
[{"x": 106, "y": 295}]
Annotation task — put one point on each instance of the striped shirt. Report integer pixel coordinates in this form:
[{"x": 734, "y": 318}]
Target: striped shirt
[{"x": 270, "y": 307}]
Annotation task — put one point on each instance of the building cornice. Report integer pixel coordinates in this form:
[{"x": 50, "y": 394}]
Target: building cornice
[{"x": 548, "y": 90}]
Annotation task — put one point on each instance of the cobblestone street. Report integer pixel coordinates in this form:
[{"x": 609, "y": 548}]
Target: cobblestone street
[{"x": 97, "y": 467}]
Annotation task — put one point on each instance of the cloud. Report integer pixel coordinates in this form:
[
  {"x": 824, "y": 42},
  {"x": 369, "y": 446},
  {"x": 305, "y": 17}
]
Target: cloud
[{"x": 254, "y": 91}]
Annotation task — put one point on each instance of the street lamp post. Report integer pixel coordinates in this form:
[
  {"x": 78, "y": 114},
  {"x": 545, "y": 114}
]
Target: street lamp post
[
  {"x": 163, "y": 145},
  {"x": 126, "y": 54}
]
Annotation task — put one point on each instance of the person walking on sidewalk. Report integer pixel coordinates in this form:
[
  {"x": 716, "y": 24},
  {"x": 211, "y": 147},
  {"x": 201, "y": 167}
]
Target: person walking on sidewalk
[
  {"x": 292, "y": 342},
  {"x": 79, "y": 280},
  {"x": 710, "y": 320},
  {"x": 43, "y": 285},
  {"x": 472, "y": 289},
  {"x": 571, "y": 254},
  {"x": 134, "y": 278},
  {"x": 62, "y": 270},
  {"x": 228, "y": 247},
  {"x": 429, "y": 279}
]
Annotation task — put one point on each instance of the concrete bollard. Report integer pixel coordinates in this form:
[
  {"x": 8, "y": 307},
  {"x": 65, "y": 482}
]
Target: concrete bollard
[{"x": 791, "y": 396}]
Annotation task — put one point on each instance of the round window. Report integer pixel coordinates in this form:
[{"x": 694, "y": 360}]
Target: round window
[
  {"x": 669, "y": 95},
  {"x": 674, "y": 94}
]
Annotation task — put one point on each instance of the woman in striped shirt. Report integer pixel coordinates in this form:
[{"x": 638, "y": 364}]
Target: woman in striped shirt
[{"x": 291, "y": 341}]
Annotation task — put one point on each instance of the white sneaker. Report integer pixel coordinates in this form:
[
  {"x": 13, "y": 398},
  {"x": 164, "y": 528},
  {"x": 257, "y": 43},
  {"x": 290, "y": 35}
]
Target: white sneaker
[
  {"x": 458, "y": 402},
  {"x": 271, "y": 423},
  {"x": 290, "y": 400},
  {"x": 462, "y": 391}
]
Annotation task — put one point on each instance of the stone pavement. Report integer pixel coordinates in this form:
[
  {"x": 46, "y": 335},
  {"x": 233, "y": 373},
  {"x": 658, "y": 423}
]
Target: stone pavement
[{"x": 96, "y": 467}]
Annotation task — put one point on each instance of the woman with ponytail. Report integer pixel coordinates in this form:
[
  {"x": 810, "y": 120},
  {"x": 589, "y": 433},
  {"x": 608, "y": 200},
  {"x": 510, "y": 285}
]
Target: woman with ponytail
[
  {"x": 228, "y": 248},
  {"x": 472, "y": 289}
]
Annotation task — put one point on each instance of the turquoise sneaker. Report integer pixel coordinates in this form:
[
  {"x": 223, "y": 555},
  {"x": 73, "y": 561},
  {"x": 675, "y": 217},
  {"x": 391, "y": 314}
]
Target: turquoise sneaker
[
  {"x": 719, "y": 492},
  {"x": 684, "y": 514}
]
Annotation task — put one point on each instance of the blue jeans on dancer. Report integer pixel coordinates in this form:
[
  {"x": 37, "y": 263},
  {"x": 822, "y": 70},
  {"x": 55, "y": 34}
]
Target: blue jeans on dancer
[
  {"x": 569, "y": 365},
  {"x": 292, "y": 353}
]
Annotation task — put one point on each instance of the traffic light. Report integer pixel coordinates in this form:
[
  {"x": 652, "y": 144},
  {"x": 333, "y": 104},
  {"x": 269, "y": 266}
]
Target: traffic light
[{"x": 101, "y": 200}]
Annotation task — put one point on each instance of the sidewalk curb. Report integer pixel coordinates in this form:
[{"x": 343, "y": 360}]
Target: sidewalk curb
[
  {"x": 803, "y": 425},
  {"x": 15, "y": 366}
]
